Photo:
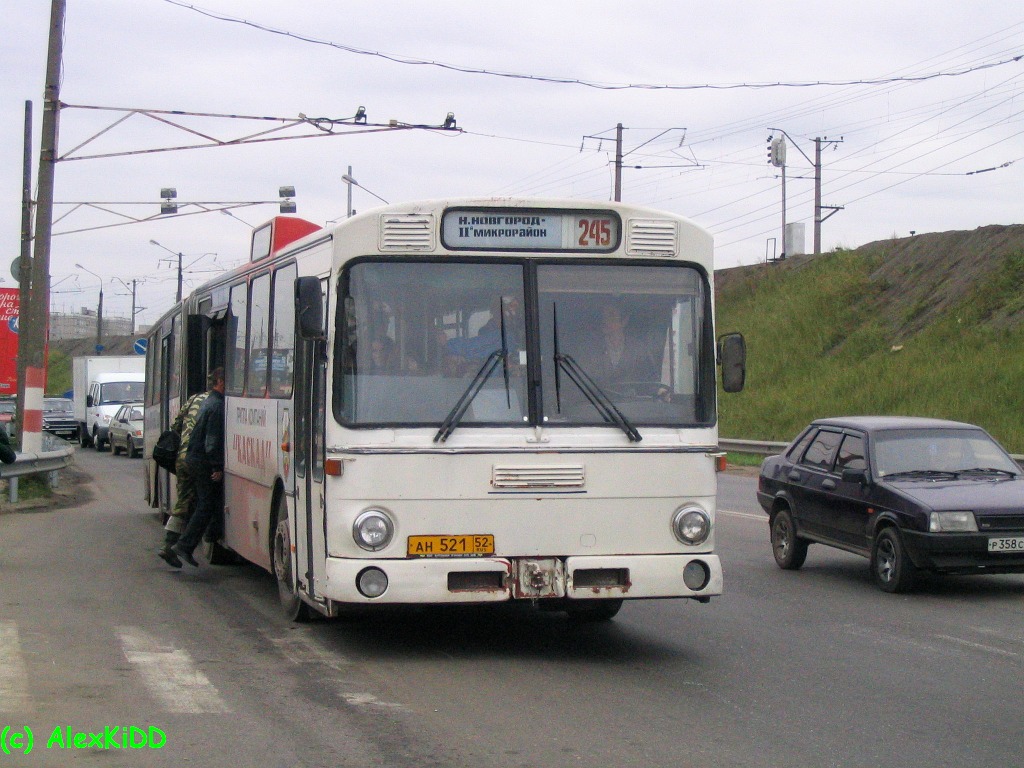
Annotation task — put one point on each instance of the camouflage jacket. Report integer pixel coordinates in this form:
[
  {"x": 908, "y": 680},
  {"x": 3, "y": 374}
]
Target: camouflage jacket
[{"x": 185, "y": 421}]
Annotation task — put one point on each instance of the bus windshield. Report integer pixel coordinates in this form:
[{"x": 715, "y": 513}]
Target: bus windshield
[{"x": 608, "y": 344}]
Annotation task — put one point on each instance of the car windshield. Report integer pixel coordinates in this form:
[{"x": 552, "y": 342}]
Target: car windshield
[
  {"x": 120, "y": 392},
  {"x": 135, "y": 415},
  {"x": 938, "y": 450},
  {"x": 58, "y": 405}
]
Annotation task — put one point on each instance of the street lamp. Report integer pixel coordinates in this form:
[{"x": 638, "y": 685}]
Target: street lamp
[
  {"x": 179, "y": 255},
  {"x": 99, "y": 311},
  {"x": 347, "y": 178}
]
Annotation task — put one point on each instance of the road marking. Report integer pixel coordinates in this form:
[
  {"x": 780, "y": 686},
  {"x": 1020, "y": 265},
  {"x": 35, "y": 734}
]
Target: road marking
[
  {"x": 368, "y": 700},
  {"x": 13, "y": 676},
  {"x": 301, "y": 649},
  {"x": 170, "y": 674},
  {"x": 748, "y": 515},
  {"x": 978, "y": 646}
]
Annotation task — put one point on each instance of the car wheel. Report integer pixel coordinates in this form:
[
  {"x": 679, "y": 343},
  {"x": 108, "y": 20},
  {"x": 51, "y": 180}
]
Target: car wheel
[
  {"x": 130, "y": 448},
  {"x": 790, "y": 551},
  {"x": 890, "y": 566},
  {"x": 83, "y": 437}
]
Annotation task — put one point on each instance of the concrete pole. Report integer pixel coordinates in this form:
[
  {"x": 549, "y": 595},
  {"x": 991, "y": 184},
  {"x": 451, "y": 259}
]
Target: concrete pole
[{"x": 35, "y": 344}]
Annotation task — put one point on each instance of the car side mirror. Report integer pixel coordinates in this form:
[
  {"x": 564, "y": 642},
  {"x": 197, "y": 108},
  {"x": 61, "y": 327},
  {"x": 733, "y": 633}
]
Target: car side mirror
[
  {"x": 855, "y": 476},
  {"x": 88, "y": 401}
]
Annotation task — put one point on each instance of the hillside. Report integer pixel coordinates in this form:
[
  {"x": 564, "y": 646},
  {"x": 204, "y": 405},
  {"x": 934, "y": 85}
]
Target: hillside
[
  {"x": 930, "y": 325},
  {"x": 58, "y": 374}
]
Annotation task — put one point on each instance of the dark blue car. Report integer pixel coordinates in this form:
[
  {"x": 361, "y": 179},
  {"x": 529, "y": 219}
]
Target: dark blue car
[{"x": 911, "y": 494}]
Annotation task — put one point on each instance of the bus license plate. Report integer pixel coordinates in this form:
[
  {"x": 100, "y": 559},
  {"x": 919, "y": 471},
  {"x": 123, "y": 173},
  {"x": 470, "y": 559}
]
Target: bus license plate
[
  {"x": 1006, "y": 544},
  {"x": 476, "y": 545}
]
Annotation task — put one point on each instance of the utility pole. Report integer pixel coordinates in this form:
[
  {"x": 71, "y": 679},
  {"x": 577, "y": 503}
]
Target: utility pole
[
  {"x": 818, "y": 218},
  {"x": 24, "y": 275},
  {"x": 350, "y": 181},
  {"x": 816, "y": 164},
  {"x": 34, "y": 342},
  {"x": 133, "y": 289},
  {"x": 618, "y": 162}
]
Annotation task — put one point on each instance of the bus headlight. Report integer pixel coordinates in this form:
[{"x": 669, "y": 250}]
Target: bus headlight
[
  {"x": 691, "y": 525},
  {"x": 373, "y": 530}
]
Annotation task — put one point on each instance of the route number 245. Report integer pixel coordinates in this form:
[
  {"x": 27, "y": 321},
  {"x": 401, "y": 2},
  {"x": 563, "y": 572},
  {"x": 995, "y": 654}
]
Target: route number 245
[{"x": 595, "y": 233}]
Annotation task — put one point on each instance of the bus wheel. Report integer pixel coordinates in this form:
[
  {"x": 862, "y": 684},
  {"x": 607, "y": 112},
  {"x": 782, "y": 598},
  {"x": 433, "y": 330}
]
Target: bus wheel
[
  {"x": 281, "y": 557},
  {"x": 594, "y": 610}
]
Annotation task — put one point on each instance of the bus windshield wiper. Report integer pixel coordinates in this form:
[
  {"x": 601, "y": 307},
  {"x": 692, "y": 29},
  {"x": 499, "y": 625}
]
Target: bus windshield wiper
[
  {"x": 587, "y": 386},
  {"x": 596, "y": 396},
  {"x": 451, "y": 421}
]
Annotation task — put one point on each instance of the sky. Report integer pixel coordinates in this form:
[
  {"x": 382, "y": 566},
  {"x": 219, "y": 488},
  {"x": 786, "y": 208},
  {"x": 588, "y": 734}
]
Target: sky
[{"x": 920, "y": 106}]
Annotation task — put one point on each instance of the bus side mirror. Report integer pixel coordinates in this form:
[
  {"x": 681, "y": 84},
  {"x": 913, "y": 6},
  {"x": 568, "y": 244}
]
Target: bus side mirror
[
  {"x": 309, "y": 308},
  {"x": 732, "y": 356}
]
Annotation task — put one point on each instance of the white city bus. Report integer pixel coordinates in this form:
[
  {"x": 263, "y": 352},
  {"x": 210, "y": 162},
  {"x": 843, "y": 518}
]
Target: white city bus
[{"x": 463, "y": 401}]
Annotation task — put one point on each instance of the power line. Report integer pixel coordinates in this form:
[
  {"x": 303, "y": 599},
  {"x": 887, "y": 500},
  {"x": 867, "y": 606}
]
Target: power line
[{"x": 607, "y": 86}]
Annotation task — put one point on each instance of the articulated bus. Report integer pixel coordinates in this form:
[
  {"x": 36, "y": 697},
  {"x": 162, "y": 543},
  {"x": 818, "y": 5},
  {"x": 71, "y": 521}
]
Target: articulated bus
[{"x": 463, "y": 401}]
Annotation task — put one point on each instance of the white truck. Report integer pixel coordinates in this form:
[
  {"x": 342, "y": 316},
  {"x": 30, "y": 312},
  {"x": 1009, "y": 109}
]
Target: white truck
[{"x": 101, "y": 386}]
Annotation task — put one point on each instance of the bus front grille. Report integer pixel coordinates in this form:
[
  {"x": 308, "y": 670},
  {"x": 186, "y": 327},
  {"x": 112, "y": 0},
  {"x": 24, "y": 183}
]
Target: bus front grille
[{"x": 545, "y": 476}]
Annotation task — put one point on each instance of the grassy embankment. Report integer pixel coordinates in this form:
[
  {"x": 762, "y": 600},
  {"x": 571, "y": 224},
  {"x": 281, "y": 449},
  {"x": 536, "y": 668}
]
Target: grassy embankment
[{"x": 831, "y": 338}]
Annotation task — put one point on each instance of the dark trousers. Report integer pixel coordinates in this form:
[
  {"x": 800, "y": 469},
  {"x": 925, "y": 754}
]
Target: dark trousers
[{"x": 209, "y": 503}]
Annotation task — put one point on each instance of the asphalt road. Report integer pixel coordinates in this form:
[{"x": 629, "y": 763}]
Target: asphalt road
[{"x": 813, "y": 668}]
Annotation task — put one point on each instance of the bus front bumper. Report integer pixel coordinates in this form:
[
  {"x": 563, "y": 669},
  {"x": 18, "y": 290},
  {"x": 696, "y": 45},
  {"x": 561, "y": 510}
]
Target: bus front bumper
[{"x": 497, "y": 579}]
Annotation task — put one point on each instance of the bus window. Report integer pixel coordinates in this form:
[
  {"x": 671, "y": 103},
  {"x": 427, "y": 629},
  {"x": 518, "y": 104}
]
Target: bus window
[
  {"x": 414, "y": 335},
  {"x": 283, "y": 332},
  {"x": 259, "y": 333},
  {"x": 237, "y": 317}
]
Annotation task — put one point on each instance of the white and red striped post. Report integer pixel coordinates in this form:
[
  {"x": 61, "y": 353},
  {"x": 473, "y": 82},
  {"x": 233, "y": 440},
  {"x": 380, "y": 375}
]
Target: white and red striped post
[{"x": 32, "y": 425}]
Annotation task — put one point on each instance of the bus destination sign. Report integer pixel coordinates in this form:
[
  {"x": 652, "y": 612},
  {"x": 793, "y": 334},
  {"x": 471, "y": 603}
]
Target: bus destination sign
[{"x": 529, "y": 230}]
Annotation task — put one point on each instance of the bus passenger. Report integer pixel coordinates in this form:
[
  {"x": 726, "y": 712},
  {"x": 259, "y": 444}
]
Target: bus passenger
[
  {"x": 183, "y": 424},
  {"x": 465, "y": 354},
  {"x": 205, "y": 457}
]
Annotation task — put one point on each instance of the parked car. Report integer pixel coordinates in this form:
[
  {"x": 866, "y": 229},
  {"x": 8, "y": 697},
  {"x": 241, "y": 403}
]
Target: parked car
[
  {"x": 8, "y": 412},
  {"x": 59, "y": 417},
  {"x": 126, "y": 431},
  {"x": 909, "y": 493}
]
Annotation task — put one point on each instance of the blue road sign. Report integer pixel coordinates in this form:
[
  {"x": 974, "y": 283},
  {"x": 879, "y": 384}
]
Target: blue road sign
[{"x": 140, "y": 346}]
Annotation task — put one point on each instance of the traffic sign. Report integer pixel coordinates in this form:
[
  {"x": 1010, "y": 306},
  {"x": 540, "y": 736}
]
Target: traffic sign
[{"x": 140, "y": 346}]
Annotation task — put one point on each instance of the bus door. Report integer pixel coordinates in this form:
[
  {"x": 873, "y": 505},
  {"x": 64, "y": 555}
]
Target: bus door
[
  {"x": 308, "y": 533},
  {"x": 167, "y": 393}
]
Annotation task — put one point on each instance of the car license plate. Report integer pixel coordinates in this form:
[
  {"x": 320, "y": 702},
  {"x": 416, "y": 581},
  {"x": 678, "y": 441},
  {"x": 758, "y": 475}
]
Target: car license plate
[
  {"x": 475, "y": 545},
  {"x": 1006, "y": 544}
]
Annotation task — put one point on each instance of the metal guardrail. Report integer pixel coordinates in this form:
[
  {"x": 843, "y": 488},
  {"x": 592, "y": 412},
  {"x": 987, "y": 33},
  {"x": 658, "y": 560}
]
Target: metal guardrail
[
  {"x": 768, "y": 448},
  {"x": 59, "y": 456},
  {"x": 756, "y": 447}
]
